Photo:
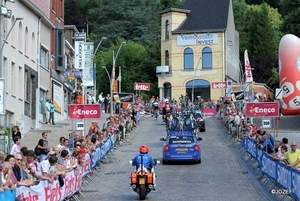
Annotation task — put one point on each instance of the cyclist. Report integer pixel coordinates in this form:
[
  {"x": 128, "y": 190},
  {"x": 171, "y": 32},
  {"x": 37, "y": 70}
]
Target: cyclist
[{"x": 155, "y": 108}]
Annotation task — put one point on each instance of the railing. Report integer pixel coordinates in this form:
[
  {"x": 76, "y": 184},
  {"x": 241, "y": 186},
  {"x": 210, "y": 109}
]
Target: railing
[{"x": 286, "y": 178}]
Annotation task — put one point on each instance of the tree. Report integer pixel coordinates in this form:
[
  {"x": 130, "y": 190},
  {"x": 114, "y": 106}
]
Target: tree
[
  {"x": 135, "y": 20},
  {"x": 291, "y": 21},
  {"x": 135, "y": 62}
]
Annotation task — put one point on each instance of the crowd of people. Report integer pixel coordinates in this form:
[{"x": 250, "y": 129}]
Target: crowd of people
[
  {"x": 237, "y": 124},
  {"x": 23, "y": 167}
]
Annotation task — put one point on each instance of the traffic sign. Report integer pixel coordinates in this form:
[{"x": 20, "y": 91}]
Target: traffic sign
[
  {"x": 266, "y": 123},
  {"x": 80, "y": 125}
]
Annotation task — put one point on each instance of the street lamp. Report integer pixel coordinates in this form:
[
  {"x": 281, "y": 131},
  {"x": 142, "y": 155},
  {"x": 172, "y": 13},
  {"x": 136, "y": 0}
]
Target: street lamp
[
  {"x": 193, "y": 88},
  {"x": 104, "y": 67},
  {"x": 113, "y": 74},
  {"x": 95, "y": 70}
]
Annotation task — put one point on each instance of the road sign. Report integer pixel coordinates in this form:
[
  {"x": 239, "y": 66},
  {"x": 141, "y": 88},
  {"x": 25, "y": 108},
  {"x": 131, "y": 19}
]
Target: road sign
[
  {"x": 266, "y": 123},
  {"x": 142, "y": 86},
  {"x": 278, "y": 93},
  {"x": 79, "y": 125}
]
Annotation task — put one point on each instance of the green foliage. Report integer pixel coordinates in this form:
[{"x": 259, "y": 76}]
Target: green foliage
[
  {"x": 135, "y": 62},
  {"x": 291, "y": 21}
]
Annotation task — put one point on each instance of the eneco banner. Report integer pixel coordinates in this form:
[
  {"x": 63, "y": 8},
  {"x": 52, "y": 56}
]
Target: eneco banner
[{"x": 88, "y": 111}]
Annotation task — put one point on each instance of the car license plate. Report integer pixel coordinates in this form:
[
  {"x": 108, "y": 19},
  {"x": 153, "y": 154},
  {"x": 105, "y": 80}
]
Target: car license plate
[
  {"x": 142, "y": 180},
  {"x": 182, "y": 149}
]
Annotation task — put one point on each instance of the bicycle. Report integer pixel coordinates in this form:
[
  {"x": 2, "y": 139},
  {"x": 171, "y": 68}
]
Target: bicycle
[{"x": 156, "y": 114}]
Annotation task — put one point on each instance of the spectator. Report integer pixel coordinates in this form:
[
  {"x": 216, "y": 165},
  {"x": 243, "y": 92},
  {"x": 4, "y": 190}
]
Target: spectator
[
  {"x": 51, "y": 117},
  {"x": 43, "y": 146},
  {"x": 24, "y": 151},
  {"x": 101, "y": 99},
  {"x": 16, "y": 132},
  {"x": 283, "y": 151},
  {"x": 2, "y": 157},
  {"x": 292, "y": 157},
  {"x": 89, "y": 99},
  {"x": 261, "y": 131},
  {"x": 47, "y": 111},
  {"x": 61, "y": 143},
  {"x": 71, "y": 141},
  {"x": 16, "y": 179},
  {"x": 20, "y": 173},
  {"x": 49, "y": 169},
  {"x": 34, "y": 166},
  {"x": 16, "y": 147},
  {"x": 6, "y": 172}
]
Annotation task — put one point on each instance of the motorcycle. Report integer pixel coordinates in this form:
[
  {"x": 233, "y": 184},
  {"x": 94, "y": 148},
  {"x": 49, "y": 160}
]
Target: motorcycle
[{"x": 142, "y": 180}]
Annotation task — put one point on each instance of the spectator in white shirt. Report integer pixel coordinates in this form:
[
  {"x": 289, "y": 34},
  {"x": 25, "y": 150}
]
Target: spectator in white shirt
[
  {"x": 16, "y": 147},
  {"x": 61, "y": 143}
]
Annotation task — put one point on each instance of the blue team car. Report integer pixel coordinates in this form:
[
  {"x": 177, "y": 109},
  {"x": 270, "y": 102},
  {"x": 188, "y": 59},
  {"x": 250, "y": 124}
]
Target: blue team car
[{"x": 181, "y": 145}]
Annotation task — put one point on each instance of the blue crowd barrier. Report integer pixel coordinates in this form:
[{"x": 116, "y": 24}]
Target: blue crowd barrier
[
  {"x": 8, "y": 195},
  {"x": 285, "y": 177}
]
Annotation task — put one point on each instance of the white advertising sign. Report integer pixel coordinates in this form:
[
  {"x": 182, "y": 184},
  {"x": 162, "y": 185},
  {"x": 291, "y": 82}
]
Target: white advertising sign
[
  {"x": 197, "y": 39},
  {"x": 79, "y": 40},
  {"x": 79, "y": 125},
  {"x": 87, "y": 74},
  {"x": 58, "y": 97},
  {"x": 162, "y": 69}
]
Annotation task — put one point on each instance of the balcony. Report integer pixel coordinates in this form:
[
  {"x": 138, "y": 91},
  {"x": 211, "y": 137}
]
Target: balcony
[{"x": 163, "y": 71}]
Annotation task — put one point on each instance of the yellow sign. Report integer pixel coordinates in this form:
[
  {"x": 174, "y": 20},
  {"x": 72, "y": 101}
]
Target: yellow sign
[{"x": 71, "y": 78}]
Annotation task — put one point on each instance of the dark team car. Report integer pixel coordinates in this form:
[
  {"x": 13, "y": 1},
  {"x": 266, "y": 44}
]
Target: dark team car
[{"x": 199, "y": 121}]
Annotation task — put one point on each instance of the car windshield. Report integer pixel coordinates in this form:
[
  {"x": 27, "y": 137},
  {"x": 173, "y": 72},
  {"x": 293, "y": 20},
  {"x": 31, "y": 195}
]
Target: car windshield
[
  {"x": 198, "y": 115},
  {"x": 181, "y": 140}
]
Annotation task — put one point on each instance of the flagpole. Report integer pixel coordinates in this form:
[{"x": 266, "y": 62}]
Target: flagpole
[{"x": 120, "y": 78}]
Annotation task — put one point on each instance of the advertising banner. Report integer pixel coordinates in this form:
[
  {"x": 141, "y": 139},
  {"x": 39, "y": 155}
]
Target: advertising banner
[
  {"x": 88, "y": 70},
  {"x": 197, "y": 39},
  {"x": 58, "y": 96},
  {"x": 209, "y": 112},
  {"x": 265, "y": 109},
  {"x": 142, "y": 86},
  {"x": 79, "y": 39},
  {"x": 124, "y": 97},
  {"x": 88, "y": 111}
]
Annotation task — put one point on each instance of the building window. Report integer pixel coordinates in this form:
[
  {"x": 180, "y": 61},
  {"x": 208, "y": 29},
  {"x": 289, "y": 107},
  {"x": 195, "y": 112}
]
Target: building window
[
  {"x": 20, "y": 80},
  {"x": 188, "y": 58},
  {"x": 206, "y": 58},
  {"x": 167, "y": 57},
  {"x": 33, "y": 44},
  {"x": 20, "y": 41},
  {"x": 13, "y": 78},
  {"x": 26, "y": 42},
  {"x": 167, "y": 30},
  {"x": 44, "y": 60}
]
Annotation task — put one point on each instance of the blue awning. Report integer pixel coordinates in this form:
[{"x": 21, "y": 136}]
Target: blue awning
[{"x": 198, "y": 84}]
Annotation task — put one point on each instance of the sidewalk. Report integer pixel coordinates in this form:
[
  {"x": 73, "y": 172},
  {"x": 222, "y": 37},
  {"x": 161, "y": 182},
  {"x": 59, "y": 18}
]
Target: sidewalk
[{"x": 60, "y": 129}]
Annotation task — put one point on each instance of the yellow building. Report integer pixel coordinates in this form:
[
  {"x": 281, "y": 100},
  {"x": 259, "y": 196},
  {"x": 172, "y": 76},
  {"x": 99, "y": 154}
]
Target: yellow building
[{"x": 199, "y": 49}]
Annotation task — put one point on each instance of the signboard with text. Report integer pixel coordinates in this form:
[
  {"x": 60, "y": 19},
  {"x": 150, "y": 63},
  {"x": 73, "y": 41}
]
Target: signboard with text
[
  {"x": 264, "y": 109},
  {"x": 197, "y": 39},
  {"x": 142, "y": 86},
  {"x": 219, "y": 85},
  {"x": 87, "y": 111},
  {"x": 124, "y": 97}
]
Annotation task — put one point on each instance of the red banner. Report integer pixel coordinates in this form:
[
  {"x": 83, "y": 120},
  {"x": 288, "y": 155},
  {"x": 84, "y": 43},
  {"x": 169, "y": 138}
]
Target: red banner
[
  {"x": 209, "y": 112},
  {"x": 219, "y": 85},
  {"x": 142, "y": 86},
  {"x": 91, "y": 111},
  {"x": 266, "y": 109}
]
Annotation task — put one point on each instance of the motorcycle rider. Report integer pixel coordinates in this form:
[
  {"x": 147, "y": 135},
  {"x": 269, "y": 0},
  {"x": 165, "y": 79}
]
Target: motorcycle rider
[{"x": 146, "y": 159}]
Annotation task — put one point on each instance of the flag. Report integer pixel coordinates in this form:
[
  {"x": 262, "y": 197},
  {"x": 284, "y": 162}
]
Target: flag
[{"x": 248, "y": 73}]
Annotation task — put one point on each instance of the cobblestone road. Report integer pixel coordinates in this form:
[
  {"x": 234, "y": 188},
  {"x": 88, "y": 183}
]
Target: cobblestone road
[{"x": 220, "y": 176}]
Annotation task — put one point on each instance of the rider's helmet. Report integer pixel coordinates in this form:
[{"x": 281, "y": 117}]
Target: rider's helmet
[
  {"x": 144, "y": 149},
  {"x": 167, "y": 101}
]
